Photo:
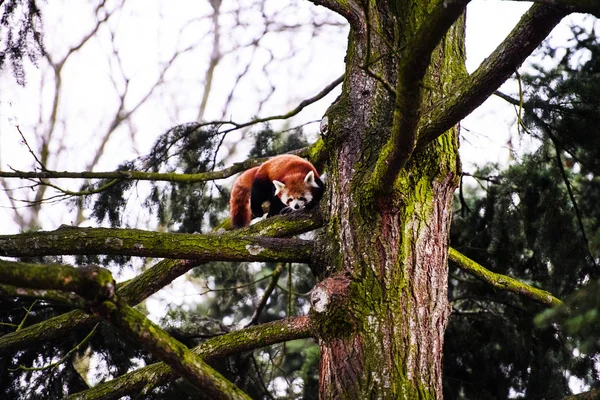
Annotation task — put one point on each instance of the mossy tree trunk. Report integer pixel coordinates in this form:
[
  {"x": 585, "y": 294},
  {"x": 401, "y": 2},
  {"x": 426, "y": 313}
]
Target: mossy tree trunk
[{"x": 383, "y": 304}]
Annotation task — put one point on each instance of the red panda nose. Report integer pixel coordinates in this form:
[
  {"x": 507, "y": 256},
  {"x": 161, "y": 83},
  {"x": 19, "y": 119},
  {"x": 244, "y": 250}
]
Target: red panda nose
[{"x": 297, "y": 206}]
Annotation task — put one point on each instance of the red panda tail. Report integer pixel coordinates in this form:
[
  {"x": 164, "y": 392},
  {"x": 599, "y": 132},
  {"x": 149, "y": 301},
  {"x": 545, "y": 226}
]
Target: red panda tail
[{"x": 239, "y": 203}]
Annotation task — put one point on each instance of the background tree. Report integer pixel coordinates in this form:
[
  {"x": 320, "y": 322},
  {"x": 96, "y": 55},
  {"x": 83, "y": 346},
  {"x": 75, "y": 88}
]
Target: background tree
[{"x": 380, "y": 308}]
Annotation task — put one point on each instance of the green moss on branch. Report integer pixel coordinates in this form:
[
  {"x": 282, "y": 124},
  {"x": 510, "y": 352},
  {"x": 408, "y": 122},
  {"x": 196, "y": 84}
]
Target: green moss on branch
[
  {"x": 135, "y": 242},
  {"x": 502, "y": 282},
  {"x": 52, "y": 296},
  {"x": 93, "y": 283},
  {"x": 533, "y": 27},
  {"x": 140, "y": 287},
  {"x": 173, "y": 352},
  {"x": 218, "y": 347}
]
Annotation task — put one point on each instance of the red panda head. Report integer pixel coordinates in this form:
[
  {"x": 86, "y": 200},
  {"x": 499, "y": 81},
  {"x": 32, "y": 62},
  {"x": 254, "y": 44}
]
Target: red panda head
[{"x": 297, "y": 191}]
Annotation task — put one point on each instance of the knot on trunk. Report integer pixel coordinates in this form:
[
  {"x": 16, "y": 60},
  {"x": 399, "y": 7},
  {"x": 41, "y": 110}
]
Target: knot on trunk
[{"x": 329, "y": 307}]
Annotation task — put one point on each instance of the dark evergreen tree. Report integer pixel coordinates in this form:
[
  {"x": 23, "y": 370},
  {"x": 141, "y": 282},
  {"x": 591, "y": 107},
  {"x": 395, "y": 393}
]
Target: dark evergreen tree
[{"x": 537, "y": 221}]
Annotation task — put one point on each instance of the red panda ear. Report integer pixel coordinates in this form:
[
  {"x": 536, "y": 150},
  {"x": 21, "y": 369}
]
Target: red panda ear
[
  {"x": 279, "y": 186},
  {"x": 310, "y": 180}
]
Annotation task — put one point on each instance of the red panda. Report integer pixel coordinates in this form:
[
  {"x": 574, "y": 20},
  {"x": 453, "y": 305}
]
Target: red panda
[{"x": 288, "y": 182}]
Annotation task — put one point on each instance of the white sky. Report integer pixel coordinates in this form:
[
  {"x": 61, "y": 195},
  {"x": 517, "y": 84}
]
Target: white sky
[{"x": 147, "y": 32}]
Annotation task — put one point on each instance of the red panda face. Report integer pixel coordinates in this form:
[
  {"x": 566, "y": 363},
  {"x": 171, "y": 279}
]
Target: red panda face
[{"x": 297, "y": 193}]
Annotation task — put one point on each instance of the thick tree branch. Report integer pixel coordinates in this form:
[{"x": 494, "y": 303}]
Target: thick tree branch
[
  {"x": 161, "y": 344},
  {"x": 500, "y": 281},
  {"x": 52, "y": 296},
  {"x": 229, "y": 344},
  {"x": 97, "y": 286},
  {"x": 582, "y": 6},
  {"x": 90, "y": 282},
  {"x": 533, "y": 27},
  {"x": 593, "y": 394},
  {"x": 134, "y": 242},
  {"x": 411, "y": 70},
  {"x": 145, "y": 284},
  {"x": 285, "y": 225}
]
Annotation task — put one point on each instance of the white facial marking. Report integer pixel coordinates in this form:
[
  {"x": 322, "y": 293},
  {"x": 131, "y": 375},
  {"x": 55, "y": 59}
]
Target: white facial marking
[{"x": 297, "y": 203}]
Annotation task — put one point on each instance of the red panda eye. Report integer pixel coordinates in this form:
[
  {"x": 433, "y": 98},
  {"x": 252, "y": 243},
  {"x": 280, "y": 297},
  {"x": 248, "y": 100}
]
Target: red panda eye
[
  {"x": 289, "y": 200},
  {"x": 302, "y": 199}
]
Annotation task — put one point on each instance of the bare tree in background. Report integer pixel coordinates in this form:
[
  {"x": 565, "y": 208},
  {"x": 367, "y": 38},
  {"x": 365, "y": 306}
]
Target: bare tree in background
[{"x": 112, "y": 72}]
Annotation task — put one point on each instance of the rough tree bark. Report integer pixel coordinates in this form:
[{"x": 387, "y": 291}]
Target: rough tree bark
[
  {"x": 383, "y": 307},
  {"x": 391, "y": 140}
]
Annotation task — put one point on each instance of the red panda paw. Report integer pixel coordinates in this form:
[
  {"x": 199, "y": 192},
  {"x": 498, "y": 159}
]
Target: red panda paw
[{"x": 287, "y": 210}]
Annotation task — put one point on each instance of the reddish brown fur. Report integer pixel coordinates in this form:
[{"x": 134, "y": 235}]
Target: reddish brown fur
[
  {"x": 239, "y": 203},
  {"x": 286, "y": 168}
]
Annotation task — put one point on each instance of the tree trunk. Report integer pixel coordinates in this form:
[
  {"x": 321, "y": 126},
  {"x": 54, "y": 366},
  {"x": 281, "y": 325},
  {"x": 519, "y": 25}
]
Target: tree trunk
[{"x": 382, "y": 305}]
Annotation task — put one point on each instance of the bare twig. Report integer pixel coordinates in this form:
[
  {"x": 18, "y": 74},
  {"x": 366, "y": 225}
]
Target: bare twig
[{"x": 265, "y": 297}]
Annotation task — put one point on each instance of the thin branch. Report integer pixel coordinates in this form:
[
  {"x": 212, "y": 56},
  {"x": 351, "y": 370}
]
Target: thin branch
[
  {"x": 215, "y": 348},
  {"x": 555, "y": 141},
  {"x": 265, "y": 297},
  {"x": 533, "y": 27},
  {"x": 412, "y": 67},
  {"x": 27, "y": 313},
  {"x": 148, "y": 176},
  {"x": 63, "y": 359},
  {"x": 578, "y": 215},
  {"x": 501, "y": 282},
  {"x": 215, "y": 57},
  {"x": 539, "y": 122},
  {"x": 35, "y": 157},
  {"x": 300, "y": 107}
]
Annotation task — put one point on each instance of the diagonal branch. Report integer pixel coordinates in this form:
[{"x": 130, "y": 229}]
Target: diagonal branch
[
  {"x": 135, "y": 242},
  {"x": 142, "y": 286},
  {"x": 411, "y": 70},
  {"x": 304, "y": 103},
  {"x": 215, "y": 348},
  {"x": 582, "y": 6},
  {"x": 350, "y": 10},
  {"x": 177, "y": 355},
  {"x": 500, "y": 281},
  {"x": 97, "y": 286},
  {"x": 265, "y": 297},
  {"x": 533, "y": 27}
]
